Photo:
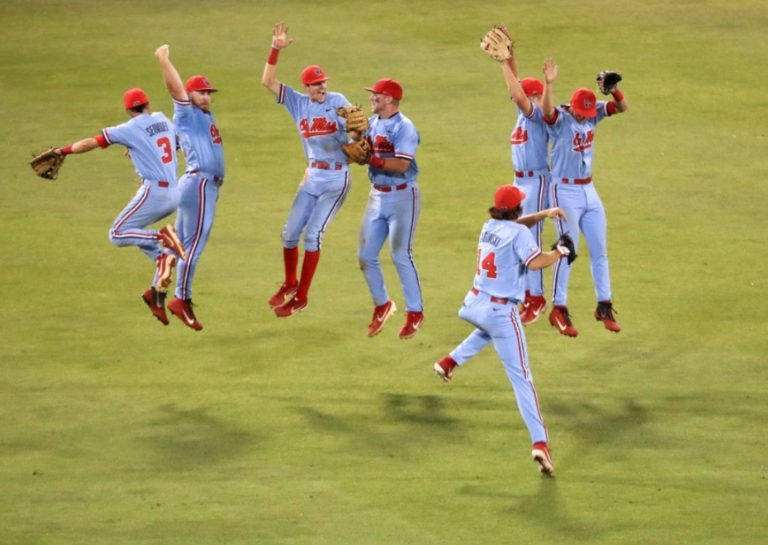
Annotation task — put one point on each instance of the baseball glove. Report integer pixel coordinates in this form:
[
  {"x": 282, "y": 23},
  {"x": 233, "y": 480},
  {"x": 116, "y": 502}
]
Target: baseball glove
[
  {"x": 358, "y": 151},
  {"x": 565, "y": 246},
  {"x": 607, "y": 81},
  {"x": 497, "y": 43},
  {"x": 47, "y": 163},
  {"x": 355, "y": 116}
]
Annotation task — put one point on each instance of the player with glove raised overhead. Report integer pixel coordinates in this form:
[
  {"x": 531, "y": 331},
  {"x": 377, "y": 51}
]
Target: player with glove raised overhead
[
  {"x": 151, "y": 142},
  {"x": 326, "y": 180},
  {"x": 529, "y": 144},
  {"x": 571, "y": 129},
  {"x": 506, "y": 249}
]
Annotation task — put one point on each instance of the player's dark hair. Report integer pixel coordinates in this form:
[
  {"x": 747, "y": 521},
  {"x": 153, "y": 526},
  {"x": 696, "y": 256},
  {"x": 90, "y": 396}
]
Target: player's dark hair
[
  {"x": 140, "y": 108},
  {"x": 505, "y": 213}
]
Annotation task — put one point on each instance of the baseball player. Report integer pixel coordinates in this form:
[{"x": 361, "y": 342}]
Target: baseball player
[
  {"x": 151, "y": 142},
  {"x": 199, "y": 186},
  {"x": 572, "y": 130},
  {"x": 326, "y": 180},
  {"x": 393, "y": 208},
  {"x": 529, "y": 143},
  {"x": 505, "y": 250}
]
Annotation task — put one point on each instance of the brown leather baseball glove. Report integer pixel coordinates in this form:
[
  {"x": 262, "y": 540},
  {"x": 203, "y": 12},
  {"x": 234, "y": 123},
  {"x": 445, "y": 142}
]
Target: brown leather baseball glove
[
  {"x": 47, "y": 163},
  {"x": 358, "y": 151},
  {"x": 355, "y": 116}
]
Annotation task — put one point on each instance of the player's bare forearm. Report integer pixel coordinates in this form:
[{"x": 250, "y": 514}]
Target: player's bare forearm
[
  {"x": 269, "y": 78},
  {"x": 171, "y": 76},
  {"x": 529, "y": 220},
  {"x": 394, "y": 164},
  {"x": 621, "y": 105},
  {"x": 84, "y": 145},
  {"x": 544, "y": 260},
  {"x": 516, "y": 92},
  {"x": 550, "y": 75}
]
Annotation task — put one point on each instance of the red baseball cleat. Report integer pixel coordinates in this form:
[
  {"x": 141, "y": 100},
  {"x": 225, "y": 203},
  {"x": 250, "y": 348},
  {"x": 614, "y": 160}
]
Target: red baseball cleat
[
  {"x": 562, "y": 321},
  {"x": 413, "y": 321},
  {"x": 291, "y": 307},
  {"x": 604, "y": 313},
  {"x": 444, "y": 368},
  {"x": 283, "y": 295},
  {"x": 534, "y": 307},
  {"x": 155, "y": 300},
  {"x": 381, "y": 314},
  {"x": 170, "y": 239},
  {"x": 541, "y": 456},
  {"x": 182, "y": 309}
]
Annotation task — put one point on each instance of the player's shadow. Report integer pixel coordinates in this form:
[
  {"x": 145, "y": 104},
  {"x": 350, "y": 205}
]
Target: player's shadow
[{"x": 184, "y": 439}]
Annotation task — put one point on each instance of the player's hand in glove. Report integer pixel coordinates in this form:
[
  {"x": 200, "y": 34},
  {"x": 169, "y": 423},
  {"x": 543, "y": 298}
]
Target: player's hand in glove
[
  {"x": 358, "y": 151},
  {"x": 607, "y": 80},
  {"x": 355, "y": 116},
  {"x": 497, "y": 43},
  {"x": 47, "y": 163},
  {"x": 565, "y": 246}
]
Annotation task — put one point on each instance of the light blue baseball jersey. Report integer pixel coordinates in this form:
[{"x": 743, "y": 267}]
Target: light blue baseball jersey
[
  {"x": 393, "y": 137},
  {"x": 151, "y": 141},
  {"x": 573, "y": 142},
  {"x": 504, "y": 251},
  {"x": 200, "y": 138},
  {"x": 321, "y": 128},
  {"x": 528, "y": 141}
]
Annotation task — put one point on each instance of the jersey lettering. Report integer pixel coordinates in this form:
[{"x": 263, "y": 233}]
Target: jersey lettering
[
  {"x": 582, "y": 144},
  {"x": 215, "y": 134},
  {"x": 155, "y": 128},
  {"x": 518, "y": 136},
  {"x": 488, "y": 264},
  {"x": 165, "y": 144},
  {"x": 320, "y": 127},
  {"x": 383, "y": 145}
]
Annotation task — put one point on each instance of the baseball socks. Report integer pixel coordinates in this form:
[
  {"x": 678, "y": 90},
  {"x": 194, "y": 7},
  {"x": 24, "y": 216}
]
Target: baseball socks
[
  {"x": 299, "y": 301},
  {"x": 291, "y": 284}
]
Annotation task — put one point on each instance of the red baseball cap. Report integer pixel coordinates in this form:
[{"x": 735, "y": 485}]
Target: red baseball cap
[
  {"x": 199, "y": 83},
  {"x": 583, "y": 102},
  {"x": 134, "y": 97},
  {"x": 387, "y": 87},
  {"x": 532, "y": 86},
  {"x": 313, "y": 74},
  {"x": 508, "y": 197}
]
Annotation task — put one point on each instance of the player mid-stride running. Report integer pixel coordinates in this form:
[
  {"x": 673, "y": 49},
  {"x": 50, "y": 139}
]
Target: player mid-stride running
[
  {"x": 198, "y": 187},
  {"x": 151, "y": 142},
  {"x": 506, "y": 250},
  {"x": 326, "y": 180}
]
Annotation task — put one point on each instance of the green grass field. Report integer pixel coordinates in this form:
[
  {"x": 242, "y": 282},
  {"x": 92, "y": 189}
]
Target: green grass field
[{"x": 117, "y": 430}]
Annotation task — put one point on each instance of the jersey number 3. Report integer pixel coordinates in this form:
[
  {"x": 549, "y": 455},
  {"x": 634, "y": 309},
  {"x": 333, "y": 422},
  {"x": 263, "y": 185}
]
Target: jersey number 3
[
  {"x": 165, "y": 144},
  {"x": 488, "y": 264}
]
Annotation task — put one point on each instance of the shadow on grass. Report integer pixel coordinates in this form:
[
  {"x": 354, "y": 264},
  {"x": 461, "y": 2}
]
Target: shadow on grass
[{"x": 184, "y": 439}]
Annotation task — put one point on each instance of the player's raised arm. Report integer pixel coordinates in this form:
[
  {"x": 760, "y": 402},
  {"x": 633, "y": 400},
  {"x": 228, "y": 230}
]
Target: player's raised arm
[
  {"x": 516, "y": 91},
  {"x": 170, "y": 75},
  {"x": 550, "y": 75},
  {"x": 280, "y": 41},
  {"x": 619, "y": 100}
]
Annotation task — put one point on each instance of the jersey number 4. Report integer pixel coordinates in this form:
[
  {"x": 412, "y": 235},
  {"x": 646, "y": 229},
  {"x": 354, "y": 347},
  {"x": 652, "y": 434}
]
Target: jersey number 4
[
  {"x": 165, "y": 145},
  {"x": 488, "y": 264}
]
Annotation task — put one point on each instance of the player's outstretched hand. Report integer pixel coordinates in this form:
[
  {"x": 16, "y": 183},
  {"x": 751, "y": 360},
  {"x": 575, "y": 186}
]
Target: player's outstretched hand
[
  {"x": 280, "y": 36},
  {"x": 550, "y": 70},
  {"x": 163, "y": 52},
  {"x": 555, "y": 214}
]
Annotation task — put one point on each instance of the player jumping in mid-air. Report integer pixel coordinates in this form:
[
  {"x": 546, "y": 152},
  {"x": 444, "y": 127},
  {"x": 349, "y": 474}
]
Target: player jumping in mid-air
[
  {"x": 198, "y": 187},
  {"x": 506, "y": 249},
  {"x": 326, "y": 180},
  {"x": 572, "y": 131},
  {"x": 394, "y": 204},
  {"x": 151, "y": 142}
]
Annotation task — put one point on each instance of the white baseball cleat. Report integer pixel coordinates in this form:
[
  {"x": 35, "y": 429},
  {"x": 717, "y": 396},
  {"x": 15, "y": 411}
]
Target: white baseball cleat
[{"x": 541, "y": 456}]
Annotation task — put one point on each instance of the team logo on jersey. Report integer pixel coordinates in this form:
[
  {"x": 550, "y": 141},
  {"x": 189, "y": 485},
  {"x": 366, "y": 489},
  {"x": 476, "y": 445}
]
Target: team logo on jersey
[
  {"x": 320, "y": 126},
  {"x": 215, "y": 134},
  {"x": 383, "y": 145},
  {"x": 518, "y": 136},
  {"x": 582, "y": 142}
]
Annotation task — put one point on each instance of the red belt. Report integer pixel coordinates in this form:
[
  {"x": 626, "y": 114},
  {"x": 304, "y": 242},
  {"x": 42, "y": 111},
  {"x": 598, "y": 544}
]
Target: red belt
[
  {"x": 578, "y": 181},
  {"x": 499, "y": 300},
  {"x": 525, "y": 173},
  {"x": 388, "y": 188},
  {"x": 325, "y": 166},
  {"x": 163, "y": 184}
]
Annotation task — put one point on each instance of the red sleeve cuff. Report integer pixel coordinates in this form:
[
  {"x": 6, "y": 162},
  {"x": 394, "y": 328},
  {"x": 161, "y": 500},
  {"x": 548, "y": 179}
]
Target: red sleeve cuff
[{"x": 101, "y": 141}]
